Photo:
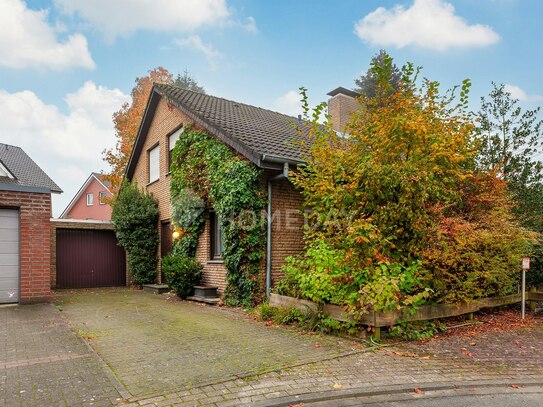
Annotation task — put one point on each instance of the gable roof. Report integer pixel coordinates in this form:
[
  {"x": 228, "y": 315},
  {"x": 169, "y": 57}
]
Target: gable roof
[
  {"x": 94, "y": 176},
  {"x": 265, "y": 137},
  {"x": 27, "y": 175}
]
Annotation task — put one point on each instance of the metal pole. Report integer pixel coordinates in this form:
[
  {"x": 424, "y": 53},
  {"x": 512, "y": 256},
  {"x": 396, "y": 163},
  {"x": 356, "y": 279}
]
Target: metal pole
[{"x": 523, "y": 305}]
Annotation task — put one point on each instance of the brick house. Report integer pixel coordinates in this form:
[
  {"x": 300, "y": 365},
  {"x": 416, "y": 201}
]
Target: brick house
[
  {"x": 90, "y": 201},
  {"x": 263, "y": 137},
  {"x": 25, "y": 213}
]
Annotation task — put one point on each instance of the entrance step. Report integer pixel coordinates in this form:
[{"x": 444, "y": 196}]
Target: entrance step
[
  {"x": 205, "y": 293},
  {"x": 156, "y": 288}
]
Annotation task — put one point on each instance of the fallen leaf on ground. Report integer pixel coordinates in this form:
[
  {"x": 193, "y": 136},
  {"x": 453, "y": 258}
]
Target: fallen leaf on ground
[
  {"x": 515, "y": 386},
  {"x": 337, "y": 386},
  {"x": 418, "y": 391}
]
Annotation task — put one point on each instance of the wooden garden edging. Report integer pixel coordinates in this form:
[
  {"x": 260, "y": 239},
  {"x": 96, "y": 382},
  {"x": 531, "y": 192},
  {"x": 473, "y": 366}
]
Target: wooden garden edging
[{"x": 423, "y": 313}]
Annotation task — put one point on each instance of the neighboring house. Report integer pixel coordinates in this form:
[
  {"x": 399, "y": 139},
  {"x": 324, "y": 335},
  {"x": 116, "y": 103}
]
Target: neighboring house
[
  {"x": 25, "y": 213},
  {"x": 263, "y": 137},
  {"x": 90, "y": 202}
]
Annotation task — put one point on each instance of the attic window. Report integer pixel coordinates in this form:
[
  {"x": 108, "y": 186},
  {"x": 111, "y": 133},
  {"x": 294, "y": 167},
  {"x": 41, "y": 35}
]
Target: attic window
[
  {"x": 90, "y": 199},
  {"x": 4, "y": 172},
  {"x": 101, "y": 197},
  {"x": 172, "y": 139}
]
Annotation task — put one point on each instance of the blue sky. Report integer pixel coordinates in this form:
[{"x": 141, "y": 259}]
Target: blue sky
[{"x": 67, "y": 65}]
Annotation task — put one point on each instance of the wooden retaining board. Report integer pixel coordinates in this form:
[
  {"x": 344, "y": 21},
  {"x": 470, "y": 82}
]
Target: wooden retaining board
[{"x": 423, "y": 313}]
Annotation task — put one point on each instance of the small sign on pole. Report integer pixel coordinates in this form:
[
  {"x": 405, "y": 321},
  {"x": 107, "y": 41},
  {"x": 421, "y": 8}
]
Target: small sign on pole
[{"x": 525, "y": 267}]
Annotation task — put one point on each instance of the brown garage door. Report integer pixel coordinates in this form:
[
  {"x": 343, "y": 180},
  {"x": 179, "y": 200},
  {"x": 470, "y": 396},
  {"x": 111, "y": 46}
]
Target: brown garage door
[{"x": 89, "y": 258}]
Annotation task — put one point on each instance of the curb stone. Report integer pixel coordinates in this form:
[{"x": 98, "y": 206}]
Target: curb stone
[{"x": 389, "y": 390}]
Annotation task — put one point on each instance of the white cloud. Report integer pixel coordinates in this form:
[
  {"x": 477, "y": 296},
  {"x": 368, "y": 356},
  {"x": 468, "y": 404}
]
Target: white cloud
[
  {"x": 517, "y": 92},
  {"x": 27, "y": 40},
  {"x": 250, "y": 25},
  {"x": 195, "y": 42},
  {"x": 123, "y": 17},
  {"x": 427, "y": 24},
  {"x": 289, "y": 103},
  {"x": 68, "y": 146}
]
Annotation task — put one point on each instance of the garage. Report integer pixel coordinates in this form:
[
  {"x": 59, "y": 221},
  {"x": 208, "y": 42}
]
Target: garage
[
  {"x": 9, "y": 256},
  {"x": 87, "y": 258}
]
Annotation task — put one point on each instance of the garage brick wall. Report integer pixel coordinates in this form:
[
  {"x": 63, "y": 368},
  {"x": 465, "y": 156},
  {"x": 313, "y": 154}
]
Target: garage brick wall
[{"x": 34, "y": 267}]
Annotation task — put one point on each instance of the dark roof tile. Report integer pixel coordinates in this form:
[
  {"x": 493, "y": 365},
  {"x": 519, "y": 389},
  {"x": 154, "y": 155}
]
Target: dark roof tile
[{"x": 26, "y": 172}]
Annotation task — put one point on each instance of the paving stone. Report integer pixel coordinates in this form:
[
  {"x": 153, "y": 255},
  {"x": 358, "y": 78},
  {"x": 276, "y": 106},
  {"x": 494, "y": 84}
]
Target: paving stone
[{"x": 44, "y": 363}]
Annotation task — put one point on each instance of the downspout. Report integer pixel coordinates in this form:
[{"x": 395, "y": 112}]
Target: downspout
[{"x": 283, "y": 175}]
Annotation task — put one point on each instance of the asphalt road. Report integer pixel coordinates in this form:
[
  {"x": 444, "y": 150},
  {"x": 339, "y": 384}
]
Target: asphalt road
[{"x": 531, "y": 396}]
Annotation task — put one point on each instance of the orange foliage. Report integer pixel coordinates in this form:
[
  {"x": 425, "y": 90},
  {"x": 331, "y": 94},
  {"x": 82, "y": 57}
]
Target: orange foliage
[{"x": 127, "y": 122}]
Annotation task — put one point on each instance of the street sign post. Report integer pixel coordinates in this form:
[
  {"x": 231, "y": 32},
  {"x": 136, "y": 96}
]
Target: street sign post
[{"x": 525, "y": 267}]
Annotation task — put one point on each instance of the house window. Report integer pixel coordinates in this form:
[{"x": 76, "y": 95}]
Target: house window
[
  {"x": 101, "y": 196},
  {"x": 217, "y": 237},
  {"x": 90, "y": 199},
  {"x": 154, "y": 164},
  {"x": 172, "y": 139}
]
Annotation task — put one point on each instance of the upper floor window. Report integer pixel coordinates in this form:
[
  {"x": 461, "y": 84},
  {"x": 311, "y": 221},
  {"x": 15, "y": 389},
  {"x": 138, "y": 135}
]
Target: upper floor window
[
  {"x": 154, "y": 164},
  {"x": 172, "y": 139},
  {"x": 90, "y": 199},
  {"x": 101, "y": 196}
]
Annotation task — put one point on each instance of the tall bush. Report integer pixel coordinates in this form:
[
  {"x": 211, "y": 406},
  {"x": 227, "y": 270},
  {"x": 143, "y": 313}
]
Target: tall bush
[
  {"x": 381, "y": 194},
  {"x": 135, "y": 217}
]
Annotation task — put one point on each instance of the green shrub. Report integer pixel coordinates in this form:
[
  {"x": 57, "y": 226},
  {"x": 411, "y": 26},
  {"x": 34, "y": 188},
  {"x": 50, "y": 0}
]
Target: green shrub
[
  {"x": 182, "y": 274},
  {"x": 416, "y": 330},
  {"x": 135, "y": 217},
  {"x": 281, "y": 315}
]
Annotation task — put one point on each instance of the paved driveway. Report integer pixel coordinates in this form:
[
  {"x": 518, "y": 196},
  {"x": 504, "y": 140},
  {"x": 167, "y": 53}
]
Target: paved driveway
[
  {"x": 44, "y": 363},
  {"x": 155, "y": 344}
]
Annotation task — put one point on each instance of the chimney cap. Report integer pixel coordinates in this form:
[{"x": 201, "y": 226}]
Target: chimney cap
[{"x": 343, "y": 91}]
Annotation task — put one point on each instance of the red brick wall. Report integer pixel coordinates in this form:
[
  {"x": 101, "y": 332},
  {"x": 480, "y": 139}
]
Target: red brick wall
[
  {"x": 214, "y": 273},
  {"x": 287, "y": 233},
  {"x": 34, "y": 218}
]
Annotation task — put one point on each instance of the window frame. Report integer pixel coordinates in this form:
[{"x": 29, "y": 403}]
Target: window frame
[
  {"x": 149, "y": 152},
  {"x": 101, "y": 196},
  {"x": 179, "y": 129},
  {"x": 216, "y": 235},
  {"x": 91, "y": 200}
]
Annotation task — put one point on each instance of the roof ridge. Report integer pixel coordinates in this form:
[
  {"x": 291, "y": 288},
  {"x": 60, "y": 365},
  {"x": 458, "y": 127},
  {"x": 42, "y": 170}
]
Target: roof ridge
[{"x": 227, "y": 100}]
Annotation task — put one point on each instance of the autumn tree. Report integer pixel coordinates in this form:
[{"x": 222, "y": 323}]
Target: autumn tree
[
  {"x": 127, "y": 122},
  {"x": 512, "y": 144},
  {"x": 381, "y": 197}
]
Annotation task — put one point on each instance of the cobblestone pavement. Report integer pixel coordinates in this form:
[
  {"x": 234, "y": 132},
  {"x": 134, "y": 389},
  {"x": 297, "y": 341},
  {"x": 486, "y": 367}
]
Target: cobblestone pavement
[
  {"x": 44, "y": 363},
  {"x": 176, "y": 353},
  {"x": 155, "y": 344}
]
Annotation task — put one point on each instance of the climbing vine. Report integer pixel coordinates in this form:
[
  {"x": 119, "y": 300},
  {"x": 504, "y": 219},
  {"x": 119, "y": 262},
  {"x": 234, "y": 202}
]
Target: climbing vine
[{"x": 206, "y": 174}]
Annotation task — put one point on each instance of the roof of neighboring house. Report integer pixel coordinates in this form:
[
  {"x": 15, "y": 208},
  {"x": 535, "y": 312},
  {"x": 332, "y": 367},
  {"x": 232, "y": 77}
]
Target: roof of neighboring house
[
  {"x": 265, "y": 137},
  {"x": 103, "y": 181},
  {"x": 94, "y": 176},
  {"x": 22, "y": 173}
]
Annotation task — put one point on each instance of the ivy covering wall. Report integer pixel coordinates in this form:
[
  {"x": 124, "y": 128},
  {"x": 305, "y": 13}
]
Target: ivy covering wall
[{"x": 207, "y": 175}]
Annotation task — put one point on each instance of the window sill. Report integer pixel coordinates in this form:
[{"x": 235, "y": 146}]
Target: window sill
[
  {"x": 215, "y": 262},
  {"x": 152, "y": 182}
]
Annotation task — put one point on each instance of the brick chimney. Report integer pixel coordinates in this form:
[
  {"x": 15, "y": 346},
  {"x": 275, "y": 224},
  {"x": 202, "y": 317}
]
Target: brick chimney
[{"x": 341, "y": 104}]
